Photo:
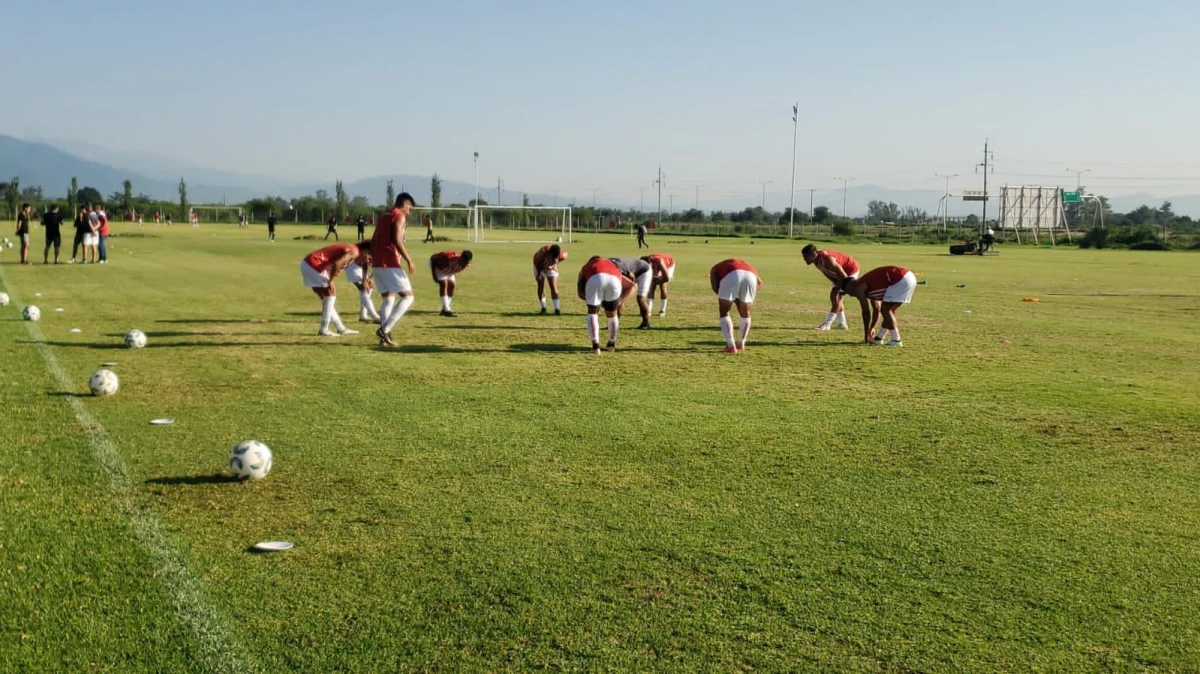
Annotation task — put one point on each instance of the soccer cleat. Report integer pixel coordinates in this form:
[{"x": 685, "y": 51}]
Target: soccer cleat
[
  {"x": 347, "y": 331},
  {"x": 448, "y": 314},
  {"x": 741, "y": 348},
  {"x": 841, "y": 326},
  {"x": 823, "y": 327},
  {"x": 876, "y": 341},
  {"x": 731, "y": 350},
  {"x": 644, "y": 326},
  {"x": 895, "y": 342},
  {"x": 612, "y": 347},
  {"x": 542, "y": 312},
  {"x": 662, "y": 314},
  {"x": 324, "y": 332},
  {"x": 366, "y": 319},
  {"x": 596, "y": 348},
  {"x": 558, "y": 312}
]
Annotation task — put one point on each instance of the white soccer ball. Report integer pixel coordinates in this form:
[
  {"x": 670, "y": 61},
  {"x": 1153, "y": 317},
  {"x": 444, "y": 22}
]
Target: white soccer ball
[
  {"x": 4, "y": 299},
  {"x": 135, "y": 339},
  {"x": 32, "y": 313},
  {"x": 104, "y": 383},
  {"x": 9, "y": 244},
  {"x": 250, "y": 460}
]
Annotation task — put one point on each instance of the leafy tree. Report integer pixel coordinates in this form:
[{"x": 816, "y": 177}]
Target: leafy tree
[
  {"x": 127, "y": 198},
  {"x": 360, "y": 204},
  {"x": 12, "y": 193},
  {"x": 73, "y": 195},
  {"x": 880, "y": 211},
  {"x": 391, "y": 195},
  {"x": 340, "y": 191},
  {"x": 525, "y": 200},
  {"x": 1142, "y": 215},
  {"x": 89, "y": 195},
  {"x": 786, "y": 216},
  {"x": 913, "y": 214},
  {"x": 435, "y": 191},
  {"x": 481, "y": 201},
  {"x": 183, "y": 201},
  {"x": 821, "y": 215},
  {"x": 33, "y": 194},
  {"x": 843, "y": 227},
  {"x": 972, "y": 220},
  {"x": 693, "y": 215}
]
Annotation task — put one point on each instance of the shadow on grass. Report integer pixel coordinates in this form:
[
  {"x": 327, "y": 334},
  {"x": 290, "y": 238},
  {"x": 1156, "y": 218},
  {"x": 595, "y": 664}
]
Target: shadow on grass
[
  {"x": 200, "y": 345},
  {"x": 459, "y": 326},
  {"x": 214, "y": 478},
  {"x": 105, "y": 345},
  {"x": 68, "y": 394},
  {"x": 546, "y": 348},
  {"x": 430, "y": 348},
  {"x": 208, "y": 321},
  {"x": 172, "y": 333}
]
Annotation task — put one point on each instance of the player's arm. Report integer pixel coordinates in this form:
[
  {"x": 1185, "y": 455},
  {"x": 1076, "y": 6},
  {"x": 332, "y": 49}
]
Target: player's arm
[
  {"x": 832, "y": 270},
  {"x": 398, "y": 240},
  {"x": 579, "y": 286},
  {"x": 433, "y": 268},
  {"x": 713, "y": 280},
  {"x": 627, "y": 288},
  {"x": 867, "y": 313}
]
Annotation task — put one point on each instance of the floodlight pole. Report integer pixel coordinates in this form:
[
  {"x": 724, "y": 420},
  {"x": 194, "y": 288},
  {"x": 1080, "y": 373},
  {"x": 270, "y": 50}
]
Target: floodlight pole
[
  {"x": 1079, "y": 178},
  {"x": 845, "y": 186},
  {"x": 946, "y": 211},
  {"x": 795, "y": 133},
  {"x": 659, "y": 182},
  {"x": 764, "y": 184},
  {"x": 476, "y": 195},
  {"x": 987, "y": 158}
]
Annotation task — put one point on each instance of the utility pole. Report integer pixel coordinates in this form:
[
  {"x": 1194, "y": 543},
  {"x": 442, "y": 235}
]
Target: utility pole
[
  {"x": 795, "y": 132},
  {"x": 555, "y": 192},
  {"x": 811, "y": 192},
  {"x": 594, "y": 190},
  {"x": 1079, "y": 177},
  {"x": 672, "y": 198},
  {"x": 659, "y": 182},
  {"x": 499, "y": 199},
  {"x": 697, "y": 186},
  {"x": 475, "y": 213},
  {"x": 845, "y": 184},
  {"x": 642, "y": 199},
  {"x": 946, "y": 212},
  {"x": 764, "y": 184},
  {"x": 987, "y": 162}
]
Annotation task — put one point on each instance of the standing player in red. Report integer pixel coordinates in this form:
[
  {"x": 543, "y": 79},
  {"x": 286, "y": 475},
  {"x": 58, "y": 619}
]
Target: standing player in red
[
  {"x": 445, "y": 266},
  {"x": 837, "y": 267},
  {"x": 545, "y": 269},
  {"x": 881, "y": 291},
  {"x": 388, "y": 251},
  {"x": 318, "y": 269},
  {"x": 663, "y": 267},
  {"x": 601, "y": 285},
  {"x": 734, "y": 282}
]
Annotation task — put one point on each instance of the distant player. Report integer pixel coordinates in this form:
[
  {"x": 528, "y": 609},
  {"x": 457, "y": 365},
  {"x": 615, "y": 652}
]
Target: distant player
[
  {"x": 837, "y": 267},
  {"x": 641, "y": 234},
  {"x": 23, "y": 232},
  {"x": 102, "y": 235},
  {"x": 331, "y": 228},
  {"x": 362, "y": 226},
  {"x": 388, "y": 253},
  {"x": 881, "y": 291},
  {"x": 545, "y": 270},
  {"x": 601, "y": 285},
  {"x": 428, "y": 228},
  {"x": 663, "y": 268},
  {"x": 736, "y": 283},
  {"x": 168, "y": 219},
  {"x": 319, "y": 269},
  {"x": 271, "y": 222},
  {"x": 81, "y": 230},
  {"x": 642, "y": 274},
  {"x": 52, "y": 221},
  {"x": 358, "y": 273},
  {"x": 445, "y": 266}
]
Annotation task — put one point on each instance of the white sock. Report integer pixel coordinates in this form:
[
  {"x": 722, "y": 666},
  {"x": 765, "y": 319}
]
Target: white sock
[
  {"x": 398, "y": 313},
  {"x": 745, "y": 330},
  {"x": 366, "y": 306},
  {"x": 326, "y": 312},
  {"x": 445, "y": 303},
  {"x": 333, "y": 314},
  {"x": 614, "y": 325},
  {"x": 557, "y": 306},
  {"x": 881, "y": 333},
  {"x": 896, "y": 334},
  {"x": 830, "y": 318},
  {"x": 841, "y": 317},
  {"x": 543, "y": 301},
  {"x": 727, "y": 330},
  {"x": 664, "y": 306},
  {"x": 593, "y": 323},
  {"x": 386, "y": 310},
  {"x": 650, "y": 305}
]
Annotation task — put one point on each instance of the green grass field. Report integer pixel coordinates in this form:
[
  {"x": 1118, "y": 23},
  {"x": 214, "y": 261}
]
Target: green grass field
[{"x": 1014, "y": 490}]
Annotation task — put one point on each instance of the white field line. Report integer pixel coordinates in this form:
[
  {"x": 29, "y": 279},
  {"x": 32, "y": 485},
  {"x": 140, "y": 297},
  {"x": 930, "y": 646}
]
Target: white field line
[{"x": 170, "y": 568}]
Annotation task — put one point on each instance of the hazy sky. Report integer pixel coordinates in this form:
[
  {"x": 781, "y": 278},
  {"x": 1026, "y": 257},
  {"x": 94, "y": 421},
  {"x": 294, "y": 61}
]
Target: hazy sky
[{"x": 574, "y": 96}]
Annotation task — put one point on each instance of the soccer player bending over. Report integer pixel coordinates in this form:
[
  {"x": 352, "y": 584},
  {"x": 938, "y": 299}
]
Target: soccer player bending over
[
  {"x": 881, "y": 291},
  {"x": 445, "y": 266},
  {"x": 319, "y": 268},
  {"x": 387, "y": 252},
  {"x": 734, "y": 282},
  {"x": 640, "y": 272},
  {"x": 545, "y": 269},
  {"x": 358, "y": 273},
  {"x": 663, "y": 267},
  {"x": 601, "y": 285},
  {"x": 837, "y": 267}
]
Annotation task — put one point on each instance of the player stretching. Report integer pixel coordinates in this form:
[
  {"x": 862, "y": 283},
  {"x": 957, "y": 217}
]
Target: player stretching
[
  {"x": 545, "y": 269},
  {"x": 881, "y": 291},
  {"x": 663, "y": 268},
  {"x": 319, "y": 268},
  {"x": 358, "y": 273},
  {"x": 734, "y": 282},
  {"x": 444, "y": 266},
  {"x": 388, "y": 251},
  {"x": 601, "y": 284},
  {"x": 642, "y": 274},
  {"x": 837, "y": 267}
]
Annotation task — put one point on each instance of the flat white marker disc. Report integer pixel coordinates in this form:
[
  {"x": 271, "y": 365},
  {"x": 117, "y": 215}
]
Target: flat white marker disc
[
  {"x": 272, "y": 546},
  {"x": 162, "y": 422}
]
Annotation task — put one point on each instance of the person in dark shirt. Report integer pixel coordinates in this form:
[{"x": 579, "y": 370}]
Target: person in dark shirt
[
  {"x": 271, "y": 225},
  {"x": 362, "y": 226},
  {"x": 81, "y": 230},
  {"x": 23, "y": 232},
  {"x": 52, "y": 221},
  {"x": 332, "y": 229}
]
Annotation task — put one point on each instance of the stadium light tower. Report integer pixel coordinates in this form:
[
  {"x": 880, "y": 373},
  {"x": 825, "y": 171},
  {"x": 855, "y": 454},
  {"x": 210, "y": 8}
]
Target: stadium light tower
[
  {"x": 795, "y": 132},
  {"x": 1079, "y": 177},
  {"x": 946, "y": 212},
  {"x": 476, "y": 177},
  {"x": 764, "y": 184},
  {"x": 845, "y": 184}
]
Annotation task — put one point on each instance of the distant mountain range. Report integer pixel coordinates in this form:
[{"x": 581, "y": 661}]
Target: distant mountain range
[{"x": 51, "y": 164}]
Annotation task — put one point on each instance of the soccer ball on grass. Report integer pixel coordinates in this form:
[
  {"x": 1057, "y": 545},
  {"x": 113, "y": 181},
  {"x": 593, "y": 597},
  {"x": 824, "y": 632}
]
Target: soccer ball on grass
[
  {"x": 135, "y": 339},
  {"x": 32, "y": 313},
  {"x": 104, "y": 383},
  {"x": 4, "y": 299},
  {"x": 250, "y": 460}
]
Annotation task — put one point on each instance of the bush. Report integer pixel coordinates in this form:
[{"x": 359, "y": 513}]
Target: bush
[
  {"x": 843, "y": 228},
  {"x": 1150, "y": 245},
  {"x": 1096, "y": 238}
]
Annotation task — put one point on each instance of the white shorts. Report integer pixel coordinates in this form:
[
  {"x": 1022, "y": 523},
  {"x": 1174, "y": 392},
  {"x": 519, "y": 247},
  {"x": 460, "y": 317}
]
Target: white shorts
[
  {"x": 671, "y": 273},
  {"x": 392, "y": 280},
  {"x": 901, "y": 291},
  {"x": 839, "y": 286},
  {"x": 354, "y": 273},
  {"x": 549, "y": 273},
  {"x": 91, "y": 240},
  {"x": 312, "y": 277},
  {"x": 643, "y": 283},
  {"x": 602, "y": 288},
  {"x": 441, "y": 276},
  {"x": 740, "y": 285}
]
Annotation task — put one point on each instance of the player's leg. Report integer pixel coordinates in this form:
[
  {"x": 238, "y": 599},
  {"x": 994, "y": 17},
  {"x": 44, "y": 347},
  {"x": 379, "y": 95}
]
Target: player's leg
[
  {"x": 541, "y": 281},
  {"x": 889, "y": 321},
  {"x": 643, "y": 299},
  {"x": 744, "y": 326},
  {"x": 552, "y": 278},
  {"x": 406, "y": 299},
  {"x": 25, "y": 248},
  {"x": 614, "y": 324},
  {"x": 46, "y": 253},
  {"x": 593, "y": 327},
  {"x": 723, "y": 307},
  {"x": 662, "y": 289},
  {"x": 326, "y": 312},
  {"x": 834, "y": 294},
  {"x": 446, "y": 292}
]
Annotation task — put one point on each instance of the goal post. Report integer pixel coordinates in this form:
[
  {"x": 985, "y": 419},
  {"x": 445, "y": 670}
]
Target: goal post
[
  {"x": 441, "y": 217},
  {"x": 522, "y": 224}
]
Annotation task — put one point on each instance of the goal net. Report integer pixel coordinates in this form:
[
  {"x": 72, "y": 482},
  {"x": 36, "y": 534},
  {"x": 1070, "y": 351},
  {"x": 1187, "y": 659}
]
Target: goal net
[
  {"x": 522, "y": 224},
  {"x": 441, "y": 217}
]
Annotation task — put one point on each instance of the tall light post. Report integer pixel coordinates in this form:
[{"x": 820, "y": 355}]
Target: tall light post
[
  {"x": 476, "y": 204},
  {"x": 764, "y": 184},
  {"x": 845, "y": 186},
  {"x": 946, "y": 212},
  {"x": 795, "y": 133},
  {"x": 1079, "y": 177}
]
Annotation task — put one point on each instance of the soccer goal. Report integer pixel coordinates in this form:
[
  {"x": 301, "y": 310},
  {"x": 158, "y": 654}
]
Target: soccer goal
[
  {"x": 441, "y": 217},
  {"x": 522, "y": 224}
]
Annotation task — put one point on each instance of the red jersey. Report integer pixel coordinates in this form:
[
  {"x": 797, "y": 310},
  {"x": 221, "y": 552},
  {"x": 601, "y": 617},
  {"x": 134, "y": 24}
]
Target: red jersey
[
  {"x": 663, "y": 259},
  {"x": 600, "y": 266},
  {"x": 323, "y": 260},
  {"x": 448, "y": 262},
  {"x": 542, "y": 260},
  {"x": 722, "y": 269},
  {"x": 880, "y": 279},
  {"x": 103, "y": 224},
  {"x": 847, "y": 263},
  {"x": 383, "y": 243}
]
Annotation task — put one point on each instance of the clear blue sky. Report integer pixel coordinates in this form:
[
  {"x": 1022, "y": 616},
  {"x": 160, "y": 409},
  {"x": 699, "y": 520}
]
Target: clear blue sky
[{"x": 574, "y": 96}]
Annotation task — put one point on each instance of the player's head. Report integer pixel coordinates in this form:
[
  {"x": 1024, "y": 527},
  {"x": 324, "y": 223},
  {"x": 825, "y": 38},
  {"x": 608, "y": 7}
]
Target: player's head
[
  {"x": 467, "y": 256},
  {"x": 645, "y": 258},
  {"x": 809, "y": 253},
  {"x": 593, "y": 258},
  {"x": 555, "y": 251},
  {"x": 54, "y": 208},
  {"x": 24, "y": 208},
  {"x": 405, "y": 202}
]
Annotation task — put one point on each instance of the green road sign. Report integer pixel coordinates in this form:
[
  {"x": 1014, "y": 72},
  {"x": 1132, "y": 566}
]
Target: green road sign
[{"x": 1070, "y": 197}]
